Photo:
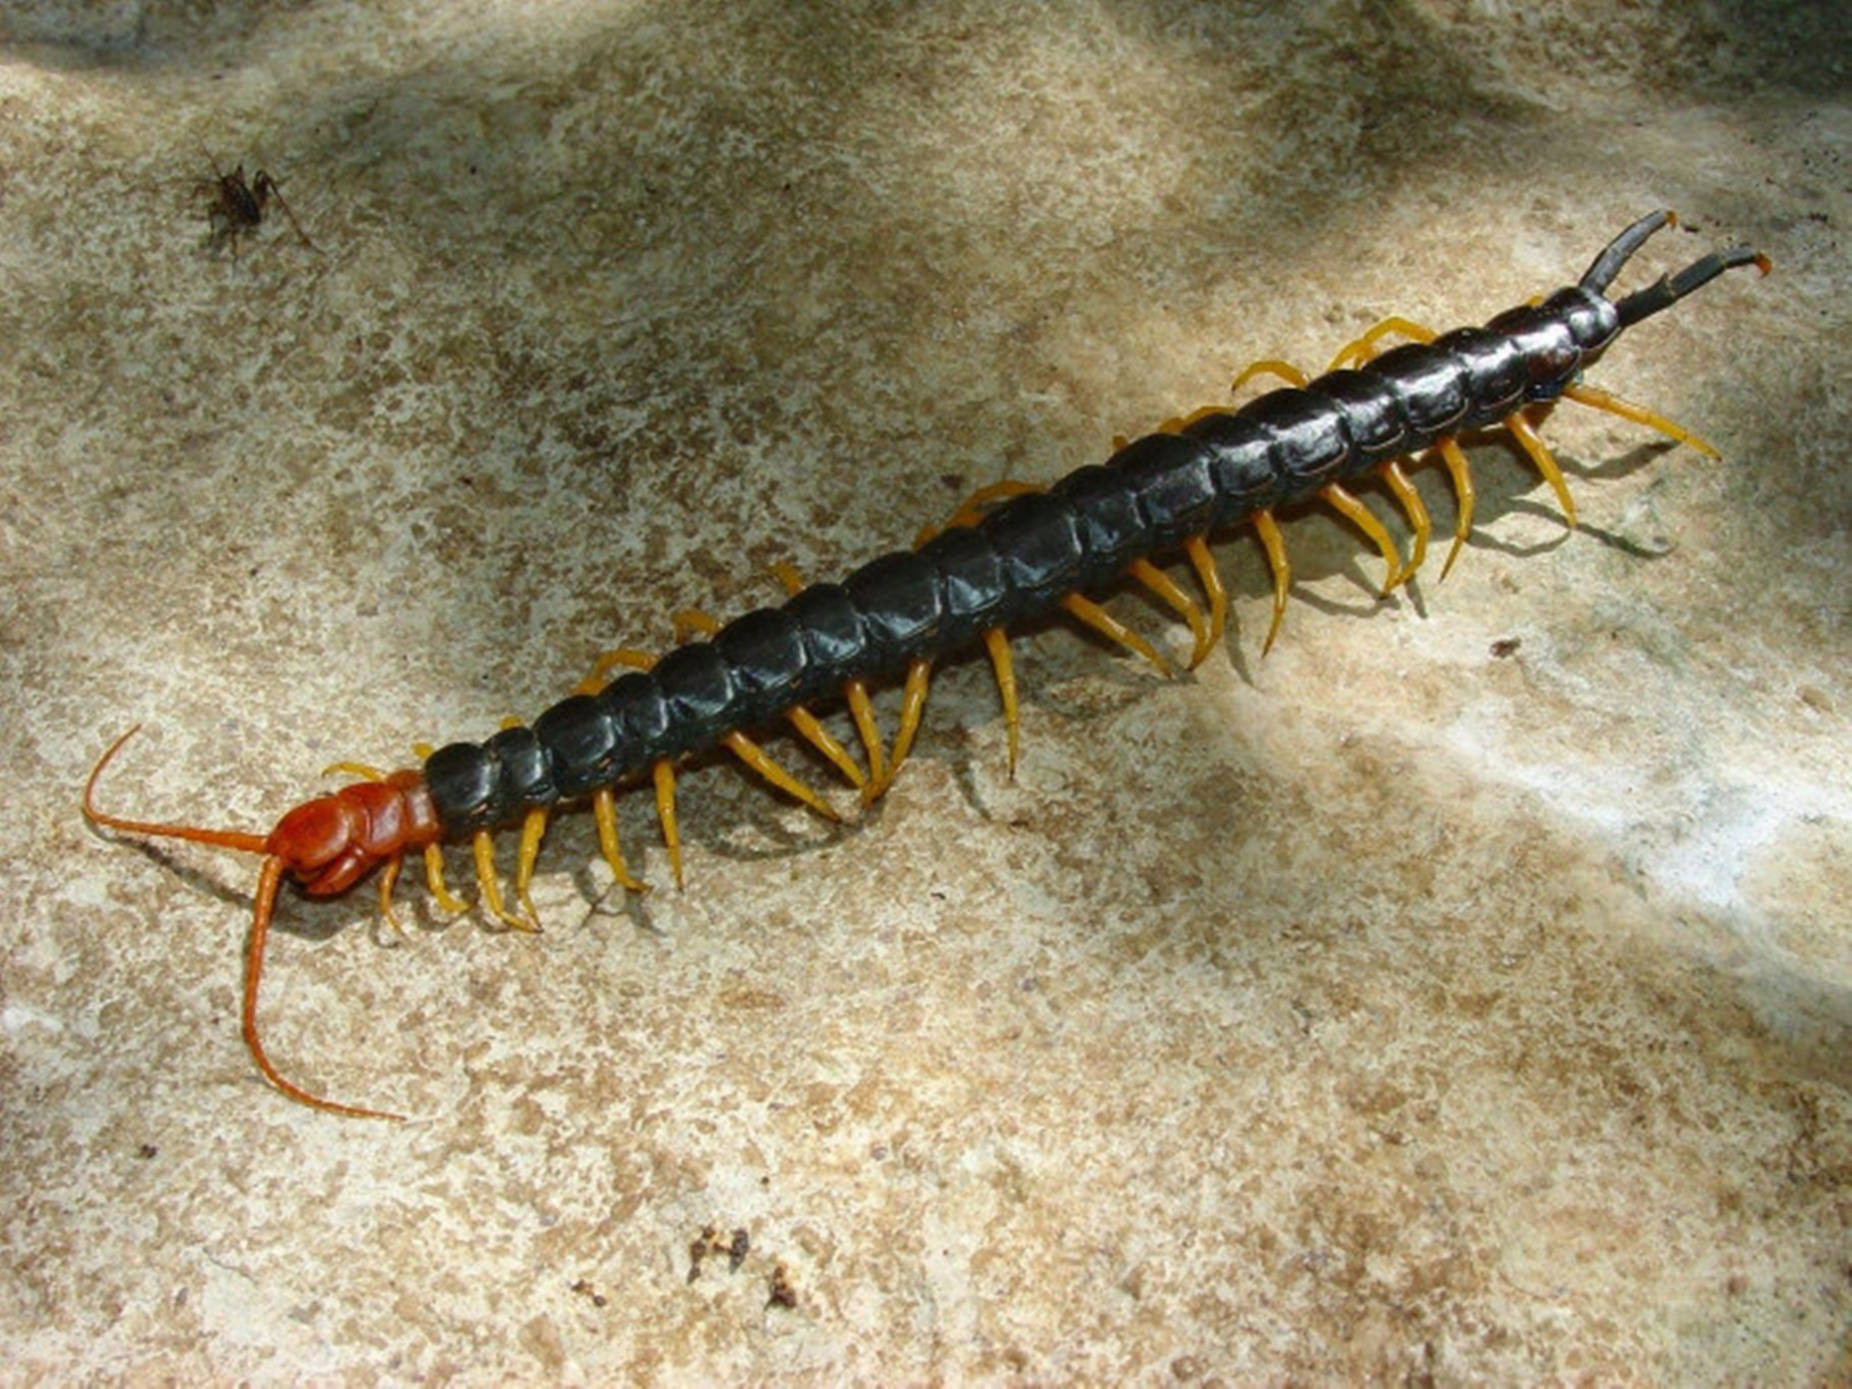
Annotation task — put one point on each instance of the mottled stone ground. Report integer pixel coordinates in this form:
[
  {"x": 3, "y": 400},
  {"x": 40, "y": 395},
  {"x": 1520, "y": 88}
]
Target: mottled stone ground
[{"x": 1391, "y": 1007}]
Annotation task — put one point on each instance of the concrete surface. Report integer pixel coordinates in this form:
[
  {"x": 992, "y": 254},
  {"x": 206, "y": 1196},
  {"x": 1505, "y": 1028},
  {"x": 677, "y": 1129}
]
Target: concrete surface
[{"x": 1386, "y": 1009}]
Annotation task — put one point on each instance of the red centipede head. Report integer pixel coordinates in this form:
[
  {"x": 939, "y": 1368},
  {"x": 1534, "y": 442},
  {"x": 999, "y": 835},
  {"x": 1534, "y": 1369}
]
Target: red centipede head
[
  {"x": 332, "y": 842},
  {"x": 327, "y": 845}
]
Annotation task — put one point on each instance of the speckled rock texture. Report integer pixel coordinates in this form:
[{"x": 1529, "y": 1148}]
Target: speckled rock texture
[{"x": 1460, "y": 994}]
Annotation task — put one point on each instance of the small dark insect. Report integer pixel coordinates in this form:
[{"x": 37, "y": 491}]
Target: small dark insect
[
  {"x": 586, "y": 1289},
  {"x": 235, "y": 208},
  {"x": 1012, "y": 553},
  {"x": 710, "y": 1241},
  {"x": 783, "y": 1294},
  {"x": 1506, "y": 646}
]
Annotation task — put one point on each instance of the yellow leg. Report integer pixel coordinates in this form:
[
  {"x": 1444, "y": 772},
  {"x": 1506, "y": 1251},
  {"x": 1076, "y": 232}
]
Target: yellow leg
[
  {"x": 1275, "y": 545},
  {"x": 998, "y": 645},
  {"x": 1358, "y": 352},
  {"x": 604, "y": 815},
  {"x": 1412, "y": 508},
  {"x": 1271, "y": 366},
  {"x": 1107, "y": 625},
  {"x": 1201, "y": 412},
  {"x": 912, "y": 705},
  {"x": 387, "y": 879},
  {"x": 1197, "y": 548},
  {"x": 1598, "y": 399},
  {"x": 807, "y": 724},
  {"x": 434, "y": 882},
  {"x": 664, "y": 775},
  {"x": 694, "y": 622},
  {"x": 610, "y": 661},
  {"x": 482, "y": 846},
  {"x": 1160, "y": 583},
  {"x": 1540, "y": 455},
  {"x": 761, "y": 762},
  {"x": 787, "y": 575},
  {"x": 821, "y": 739},
  {"x": 1360, "y": 516},
  {"x": 862, "y": 711},
  {"x": 364, "y": 770},
  {"x": 974, "y": 506},
  {"x": 1462, "y": 475},
  {"x": 533, "y": 830}
]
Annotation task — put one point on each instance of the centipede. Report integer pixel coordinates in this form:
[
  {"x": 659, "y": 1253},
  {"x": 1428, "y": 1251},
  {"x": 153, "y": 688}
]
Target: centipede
[{"x": 1400, "y": 395}]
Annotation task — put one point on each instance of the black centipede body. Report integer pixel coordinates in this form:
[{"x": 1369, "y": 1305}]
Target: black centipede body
[{"x": 1215, "y": 471}]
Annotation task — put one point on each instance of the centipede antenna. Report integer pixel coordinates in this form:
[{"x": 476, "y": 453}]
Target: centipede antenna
[
  {"x": 1618, "y": 251},
  {"x": 268, "y": 880},
  {"x": 1671, "y": 288},
  {"x": 224, "y": 839}
]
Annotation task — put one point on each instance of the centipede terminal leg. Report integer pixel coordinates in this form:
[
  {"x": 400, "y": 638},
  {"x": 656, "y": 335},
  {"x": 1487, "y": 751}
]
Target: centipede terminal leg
[{"x": 1597, "y": 399}]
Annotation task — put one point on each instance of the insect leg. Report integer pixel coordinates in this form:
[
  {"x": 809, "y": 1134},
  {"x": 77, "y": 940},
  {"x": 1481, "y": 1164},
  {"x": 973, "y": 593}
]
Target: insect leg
[
  {"x": 1358, "y": 352},
  {"x": 973, "y": 508},
  {"x": 913, "y": 703},
  {"x": 482, "y": 849},
  {"x": 1160, "y": 583},
  {"x": 862, "y": 711},
  {"x": 1361, "y": 517},
  {"x": 433, "y": 856},
  {"x": 1107, "y": 625},
  {"x": 435, "y": 884},
  {"x": 997, "y": 643},
  {"x": 533, "y": 830},
  {"x": 824, "y": 742},
  {"x": 1596, "y": 398},
  {"x": 761, "y": 762},
  {"x": 695, "y": 621},
  {"x": 1275, "y": 545},
  {"x": 263, "y": 187},
  {"x": 1540, "y": 455},
  {"x": 610, "y": 661},
  {"x": 664, "y": 775},
  {"x": 1464, "y": 495},
  {"x": 1412, "y": 508},
  {"x": 365, "y": 770},
  {"x": 1271, "y": 366},
  {"x": 388, "y": 878},
  {"x": 1211, "y": 579},
  {"x": 604, "y": 815}
]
